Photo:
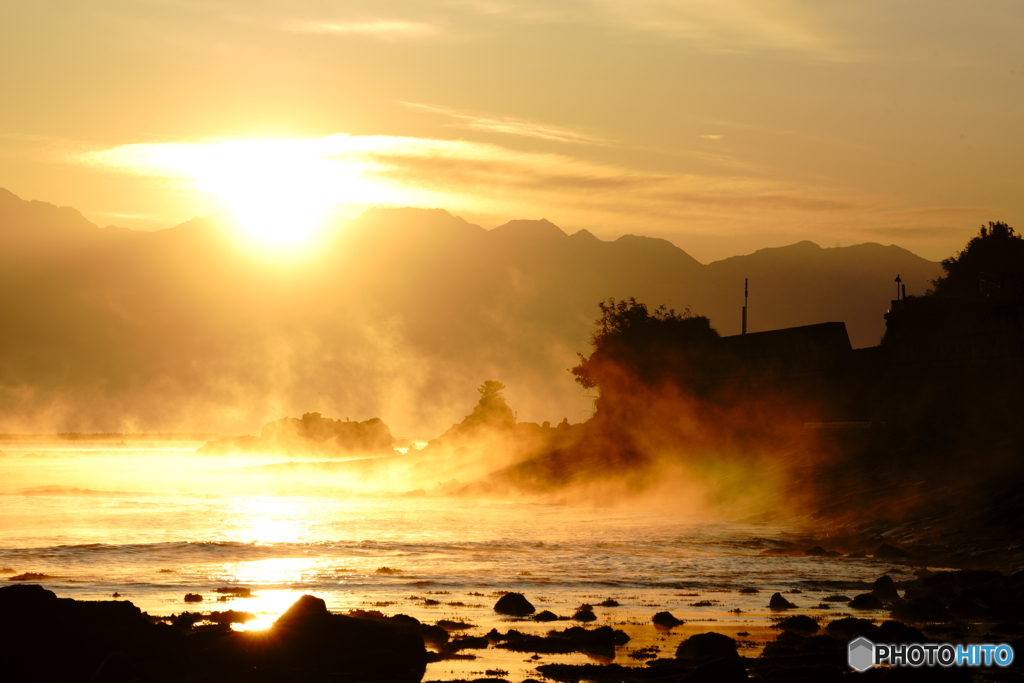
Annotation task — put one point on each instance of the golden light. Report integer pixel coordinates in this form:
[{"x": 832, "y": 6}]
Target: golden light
[{"x": 279, "y": 190}]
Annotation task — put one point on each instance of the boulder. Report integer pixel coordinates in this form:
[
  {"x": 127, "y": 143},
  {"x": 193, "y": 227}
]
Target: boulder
[
  {"x": 921, "y": 609},
  {"x": 585, "y": 613},
  {"x": 801, "y": 624},
  {"x": 884, "y": 588},
  {"x": 777, "y": 602},
  {"x": 514, "y": 604},
  {"x": 707, "y": 646},
  {"x": 546, "y": 615},
  {"x": 666, "y": 619},
  {"x": 891, "y": 552},
  {"x": 849, "y": 628},
  {"x": 866, "y": 601}
]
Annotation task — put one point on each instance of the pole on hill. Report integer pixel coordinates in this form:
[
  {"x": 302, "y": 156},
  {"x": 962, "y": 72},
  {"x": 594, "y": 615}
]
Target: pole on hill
[{"x": 746, "y": 282}]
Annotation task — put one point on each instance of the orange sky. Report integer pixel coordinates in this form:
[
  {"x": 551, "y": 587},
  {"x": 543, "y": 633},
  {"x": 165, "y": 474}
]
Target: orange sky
[{"x": 723, "y": 126}]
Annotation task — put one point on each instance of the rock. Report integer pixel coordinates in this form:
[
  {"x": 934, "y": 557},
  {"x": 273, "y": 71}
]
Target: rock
[
  {"x": 850, "y": 628},
  {"x": 666, "y": 619},
  {"x": 193, "y": 597},
  {"x": 546, "y": 615},
  {"x": 921, "y": 609},
  {"x": 46, "y": 638},
  {"x": 234, "y": 591},
  {"x": 707, "y": 646},
  {"x": 29, "y": 576},
  {"x": 815, "y": 551},
  {"x": 884, "y": 589},
  {"x": 309, "y": 638},
  {"x": 725, "y": 670},
  {"x": 434, "y": 635},
  {"x": 890, "y": 552},
  {"x": 467, "y": 643},
  {"x": 602, "y": 640},
  {"x": 585, "y": 613},
  {"x": 866, "y": 601},
  {"x": 514, "y": 604},
  {"x": 801, "y": 624},
  {"x": 837, "y": 598},
  {"x": 895, "y": 632},
  {"x": 778, "y": 602},
  {"x": 608, "y": 603},
  {"x": 749, "y": 591}
]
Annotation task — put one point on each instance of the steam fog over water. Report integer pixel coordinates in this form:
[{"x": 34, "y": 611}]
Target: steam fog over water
[{"x": 153, "y": 521}]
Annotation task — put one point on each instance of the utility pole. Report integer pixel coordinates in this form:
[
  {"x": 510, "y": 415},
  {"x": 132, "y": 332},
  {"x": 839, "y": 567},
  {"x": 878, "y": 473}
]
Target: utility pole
[{"x": 746, "y": 282}]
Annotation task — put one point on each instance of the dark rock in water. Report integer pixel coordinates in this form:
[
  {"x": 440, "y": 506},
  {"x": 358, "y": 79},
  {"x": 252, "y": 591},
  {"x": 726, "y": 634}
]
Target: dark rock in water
[
  {"x": 707, "y": 646},
  {"x": 749, "y": 591},
  {"x": 514, "y": 604},
  {"x": 884, "y": 589},
  {"x": 546, "y": 615},
  {"x": 922, "y": 609},
  {"x": 309, "y": 638},
  {"x": 891, "y": 552},
  {"x": 866, "y": 601},
  {"x": 467, "y": 643},
  {"x": 44, "y": 638},
  {"x": 608, "y": 603},
  {"x": 859, "y": 555},
  {"x": 541, "y": 645},
  {"x": 234, "y": 591},
  {"x": 666, "y": 619},
  {"x": 799, "y": 624},
  {"x": 29, "y": 576},
  {"x": 725, "y": 670},
  {"x": 434, "y": 635},
  {"x": 193, "y": 597},
  {"x": 851, "y": 627},
  {"x": 815, "y": 551},
  {"x": 603, "y": 638},
  {"x": 837, "y": 598},
  {"x": 609, "y": 673},
  {"x": 896, "y": 632},
  {"x": 778, "y": 602},
  {"x": 574, "y": 639},
  {"x": 585, "y": 613}
]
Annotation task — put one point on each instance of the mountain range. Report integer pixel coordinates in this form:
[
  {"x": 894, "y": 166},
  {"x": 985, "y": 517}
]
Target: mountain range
[{"x": 399, "y": 314}]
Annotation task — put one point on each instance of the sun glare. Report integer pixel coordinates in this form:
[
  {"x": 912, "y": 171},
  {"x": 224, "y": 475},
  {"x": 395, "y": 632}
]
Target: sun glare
[{"x": 278, "y": 191}]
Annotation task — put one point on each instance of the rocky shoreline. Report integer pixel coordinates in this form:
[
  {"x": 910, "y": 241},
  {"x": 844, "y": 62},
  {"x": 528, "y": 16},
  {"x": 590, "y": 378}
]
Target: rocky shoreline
[{"x": 46, "y": 638}]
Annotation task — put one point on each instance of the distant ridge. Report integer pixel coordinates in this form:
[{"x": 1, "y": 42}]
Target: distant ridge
[{"x": 401, "y": 313}]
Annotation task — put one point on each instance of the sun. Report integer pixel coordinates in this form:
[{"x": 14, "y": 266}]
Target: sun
[{"x": 280, "y": 191}]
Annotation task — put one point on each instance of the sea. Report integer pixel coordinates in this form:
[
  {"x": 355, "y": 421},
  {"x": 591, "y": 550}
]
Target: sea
[{"x": 151, "y": 520}]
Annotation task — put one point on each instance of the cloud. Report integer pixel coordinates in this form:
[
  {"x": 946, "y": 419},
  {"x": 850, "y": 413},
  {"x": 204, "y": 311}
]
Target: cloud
[
  {"x": 509, "y": 125},
  {"x": 465, "y": 176},
  {"x": 379, "y": 28}
]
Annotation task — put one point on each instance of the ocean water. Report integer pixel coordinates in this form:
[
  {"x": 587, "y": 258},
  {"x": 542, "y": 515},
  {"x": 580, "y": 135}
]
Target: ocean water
[{"x": 152, "y": 521}]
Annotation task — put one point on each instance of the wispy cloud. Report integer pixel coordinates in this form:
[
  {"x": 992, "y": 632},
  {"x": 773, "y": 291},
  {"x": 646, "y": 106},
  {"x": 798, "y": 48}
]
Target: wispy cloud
[
  {"x": 379, "y": 28},
  {"x": 509, "y": 125},
  {"x": 485, "y": 179}
]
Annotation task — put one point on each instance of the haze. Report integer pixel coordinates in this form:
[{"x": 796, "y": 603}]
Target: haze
[{"x": 724, "y": 127}]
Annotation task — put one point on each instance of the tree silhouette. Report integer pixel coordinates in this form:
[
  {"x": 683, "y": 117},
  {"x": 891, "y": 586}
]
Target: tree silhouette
[
  {"x": 630, "y": 341},
  {"x": 991, "y": 266}
]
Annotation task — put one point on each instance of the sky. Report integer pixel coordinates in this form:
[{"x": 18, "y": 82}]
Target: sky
[{"x": 724, "y": 126}]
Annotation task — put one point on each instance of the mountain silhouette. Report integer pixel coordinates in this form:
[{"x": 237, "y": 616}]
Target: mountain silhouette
[{"x": 400, "y": 313}]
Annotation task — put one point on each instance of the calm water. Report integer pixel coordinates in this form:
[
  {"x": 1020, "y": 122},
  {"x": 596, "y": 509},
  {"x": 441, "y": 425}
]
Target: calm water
[{"x": 153, "y": 522}]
